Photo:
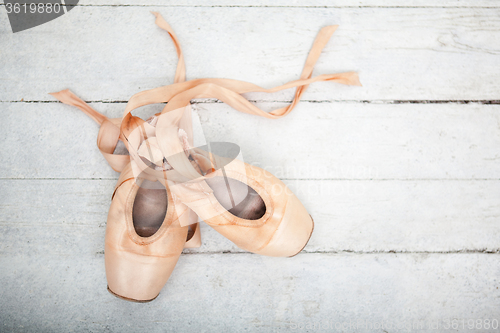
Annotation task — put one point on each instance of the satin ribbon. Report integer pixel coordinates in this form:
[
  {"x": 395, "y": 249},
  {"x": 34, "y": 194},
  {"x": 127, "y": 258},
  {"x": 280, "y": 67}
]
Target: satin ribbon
[{"x": 178, "y": 96}]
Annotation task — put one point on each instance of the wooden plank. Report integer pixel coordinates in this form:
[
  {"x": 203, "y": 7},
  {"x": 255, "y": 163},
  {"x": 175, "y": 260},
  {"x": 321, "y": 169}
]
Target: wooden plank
[
  {"x": 364, "y": 141},
  {"x": 316, "y": 141},
  {"x": 56, "y": 216},
  {"x": 445, "y": 54},
  {"x": 244, "y": 292},
  {"x": 296, "y": 3}
]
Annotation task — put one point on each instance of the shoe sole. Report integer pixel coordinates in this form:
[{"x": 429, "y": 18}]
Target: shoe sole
[
  {"x": 130, "y": 299},
  {"x": 312, "y": 220}
]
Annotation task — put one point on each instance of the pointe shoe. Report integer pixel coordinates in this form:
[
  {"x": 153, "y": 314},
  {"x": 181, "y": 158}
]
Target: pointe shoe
[
  {"x": 144, "y": 237},
  {"x": 109, "y": 140},
  {"x": 250, "y": 207}
]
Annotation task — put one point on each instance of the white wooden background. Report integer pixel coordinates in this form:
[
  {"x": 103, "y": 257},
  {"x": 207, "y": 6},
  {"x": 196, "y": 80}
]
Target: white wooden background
[{"x": 402, "y": 175}]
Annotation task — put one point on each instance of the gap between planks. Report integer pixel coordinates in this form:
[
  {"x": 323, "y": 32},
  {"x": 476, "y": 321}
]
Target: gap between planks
[
  {"x": 378, "y": 252},
  {"x": 272, "y": 6},
  {"x": 299, "y": 179},
  {"x": 458, "y": 101}
]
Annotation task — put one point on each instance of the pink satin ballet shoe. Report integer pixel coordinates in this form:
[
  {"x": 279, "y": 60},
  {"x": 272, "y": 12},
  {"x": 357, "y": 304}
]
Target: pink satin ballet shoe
[{"x": 144, "y": 237}]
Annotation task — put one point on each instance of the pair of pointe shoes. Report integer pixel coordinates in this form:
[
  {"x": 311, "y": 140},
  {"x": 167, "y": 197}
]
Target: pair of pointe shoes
[{"x": 165, "y": 184}]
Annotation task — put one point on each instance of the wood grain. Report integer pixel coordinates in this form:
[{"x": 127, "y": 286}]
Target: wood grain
[
  {"x": 316, "y": 141},
  {"x": 400, "y": 53},
  {"x": 296, "y": 3},
  {"x": 69, "y": 216},
  {"x": 244, "y": 292}
]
